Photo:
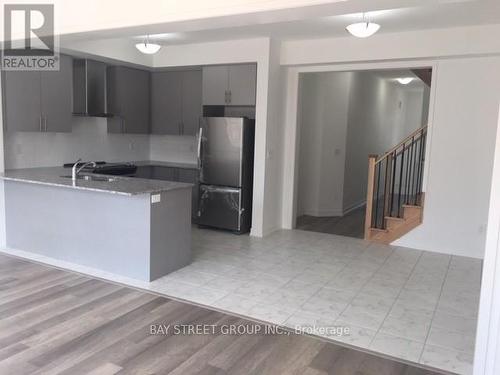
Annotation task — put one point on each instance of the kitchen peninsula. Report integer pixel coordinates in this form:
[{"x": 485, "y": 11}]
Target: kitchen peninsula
[{"x": 131, "y": 227}]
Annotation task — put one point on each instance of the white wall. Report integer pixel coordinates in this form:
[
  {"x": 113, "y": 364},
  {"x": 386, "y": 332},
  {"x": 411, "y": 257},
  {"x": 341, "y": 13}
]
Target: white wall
[
  {"x": 438, "y": 43},
  {"x": 487, "y": 349},
  {"x": 324, "y": 101},
  {"x": 178, "y": 149},
  {"x": 89, "y": 140},
  {"x": 461, "y": 158},
  {"x": 381, "y": 114},
  {"x": 272, "y": 152},
  {"x": 343, "y": 118},
  {"x": 463, "y": 109}
]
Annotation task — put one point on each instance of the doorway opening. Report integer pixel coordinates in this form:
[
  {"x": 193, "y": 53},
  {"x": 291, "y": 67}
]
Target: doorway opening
[{"x": 343, "y": 118}]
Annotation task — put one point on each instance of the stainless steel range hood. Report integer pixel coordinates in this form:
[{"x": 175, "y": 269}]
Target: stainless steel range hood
[{"x": 89, "y": 88}]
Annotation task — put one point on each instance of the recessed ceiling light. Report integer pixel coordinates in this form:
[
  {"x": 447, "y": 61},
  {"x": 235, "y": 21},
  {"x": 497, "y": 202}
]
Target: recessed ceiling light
[
  {"x": 405, "y": 80},
  {"x": 147, "y": 47},
  {"x": 363, "y": 29}
]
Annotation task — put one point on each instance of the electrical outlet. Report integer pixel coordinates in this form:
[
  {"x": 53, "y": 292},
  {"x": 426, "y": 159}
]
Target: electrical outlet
[{"x": 155, "y": 198}]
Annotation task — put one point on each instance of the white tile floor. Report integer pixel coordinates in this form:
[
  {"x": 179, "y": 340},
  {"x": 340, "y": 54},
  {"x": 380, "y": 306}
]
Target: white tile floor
[{"x": 410, "y": 304}]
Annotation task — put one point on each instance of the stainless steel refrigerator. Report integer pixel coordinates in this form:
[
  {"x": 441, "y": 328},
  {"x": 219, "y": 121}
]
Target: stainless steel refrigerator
[{"x": 225, "y": 155}]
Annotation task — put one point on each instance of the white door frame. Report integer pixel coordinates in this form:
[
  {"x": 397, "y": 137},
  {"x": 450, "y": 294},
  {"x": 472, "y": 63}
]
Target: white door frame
[
  {"x": 291, "y": 143},
  {"x": 488, "y": 331}
]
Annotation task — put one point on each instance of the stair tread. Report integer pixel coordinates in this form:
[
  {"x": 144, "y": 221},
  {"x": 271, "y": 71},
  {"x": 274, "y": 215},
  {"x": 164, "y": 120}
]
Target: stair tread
[
  {"x": 379, "y": 230},
  {"x": 394, "y": 218},
  {"x": 411, "y": 206}
]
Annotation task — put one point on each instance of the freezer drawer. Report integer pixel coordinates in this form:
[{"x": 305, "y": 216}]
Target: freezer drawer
[{"x": 224, "y": 208}]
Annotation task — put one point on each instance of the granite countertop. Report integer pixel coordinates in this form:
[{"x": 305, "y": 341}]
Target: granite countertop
[
  {"x": 193, "y": 165},
  {"x": 53, "y": 176}
]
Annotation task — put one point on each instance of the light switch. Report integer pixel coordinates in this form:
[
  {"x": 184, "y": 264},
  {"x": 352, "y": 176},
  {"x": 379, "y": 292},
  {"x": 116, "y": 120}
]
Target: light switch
[{"x": 155, "y": 198}]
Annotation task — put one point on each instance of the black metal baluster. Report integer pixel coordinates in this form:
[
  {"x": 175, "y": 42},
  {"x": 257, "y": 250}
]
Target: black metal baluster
[
  {"x": 410, "y": 160},
  {"x": 393, "y": 177},
  {"x": 377, "y": 196},
  {"x": 413, "y": 183},
  {"x": 385, "y": 185},
  {"x": 407, "y": 181},
  {"x": 401, "y": 179}
]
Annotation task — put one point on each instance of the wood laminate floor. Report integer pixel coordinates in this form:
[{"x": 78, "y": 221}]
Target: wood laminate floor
[{"x": 56, "y": 322}]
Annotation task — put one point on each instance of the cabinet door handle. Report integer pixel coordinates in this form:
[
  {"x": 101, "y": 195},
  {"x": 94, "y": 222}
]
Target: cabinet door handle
[
  {"x": 40, "y": 123},
  {"x": 45, "y": 123},
  {"x": 229, "y": 97}
]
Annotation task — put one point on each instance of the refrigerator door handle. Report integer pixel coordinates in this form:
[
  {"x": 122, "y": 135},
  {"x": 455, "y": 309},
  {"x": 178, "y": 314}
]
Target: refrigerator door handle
[{"x": 200, "y": 136}]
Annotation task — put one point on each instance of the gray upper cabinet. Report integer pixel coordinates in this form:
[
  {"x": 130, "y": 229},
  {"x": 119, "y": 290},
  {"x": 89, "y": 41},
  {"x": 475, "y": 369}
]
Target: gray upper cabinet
[
  {"x": 166, "y": 103},
  {"x": 128, "y": 100},
  {"x": 37, "y": 101},
  {"x": 242, "y": 84},
  {"x": 22, "y": 106},
  {"x": 57, "y": 100},
  {"x": 176, "y": 102},
  {"x": 230, "y": 85},
  {"x": 215, "y": 85},
  {"x": 191, "y": 101}
]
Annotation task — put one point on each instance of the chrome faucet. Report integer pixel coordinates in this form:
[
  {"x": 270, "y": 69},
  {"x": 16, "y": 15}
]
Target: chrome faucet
[{"x": 75, "y": 170}]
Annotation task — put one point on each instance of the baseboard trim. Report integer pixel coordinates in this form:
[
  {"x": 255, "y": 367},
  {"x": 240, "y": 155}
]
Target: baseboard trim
[
  {"x": 354, "y": 207},
  {"x": 323, "y": 213}
]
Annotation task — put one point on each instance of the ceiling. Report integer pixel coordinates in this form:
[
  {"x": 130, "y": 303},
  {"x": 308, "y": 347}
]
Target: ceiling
[{"x": 441, "y": 14}]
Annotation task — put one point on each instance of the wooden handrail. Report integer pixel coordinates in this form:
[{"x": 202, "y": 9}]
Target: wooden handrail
[{"x": 417, "y": 132}]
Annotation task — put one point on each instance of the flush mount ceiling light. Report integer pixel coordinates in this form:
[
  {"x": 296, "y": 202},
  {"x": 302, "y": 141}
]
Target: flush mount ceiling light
[
  {"x": 405, "y": 80},
  {"x": 147, "y": 47},
  {"x": 363, "y": 29}
]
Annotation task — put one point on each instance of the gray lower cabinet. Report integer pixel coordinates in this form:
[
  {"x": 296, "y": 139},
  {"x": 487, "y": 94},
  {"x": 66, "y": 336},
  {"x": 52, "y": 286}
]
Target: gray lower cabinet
[
  {"x": 37, "y": 101},
  {"x": 176, "y": 102},
  {"x": 128, "y": 100},
  {"x": 191, "y": 176}
]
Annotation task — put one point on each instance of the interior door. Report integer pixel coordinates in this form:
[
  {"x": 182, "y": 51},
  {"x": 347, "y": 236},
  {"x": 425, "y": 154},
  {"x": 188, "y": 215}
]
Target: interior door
[{"x": 222, "y": 151}]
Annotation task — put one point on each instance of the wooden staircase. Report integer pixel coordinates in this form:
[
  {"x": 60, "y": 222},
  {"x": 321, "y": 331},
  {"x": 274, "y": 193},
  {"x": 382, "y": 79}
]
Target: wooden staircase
[{"x": 395, "y": 201}]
